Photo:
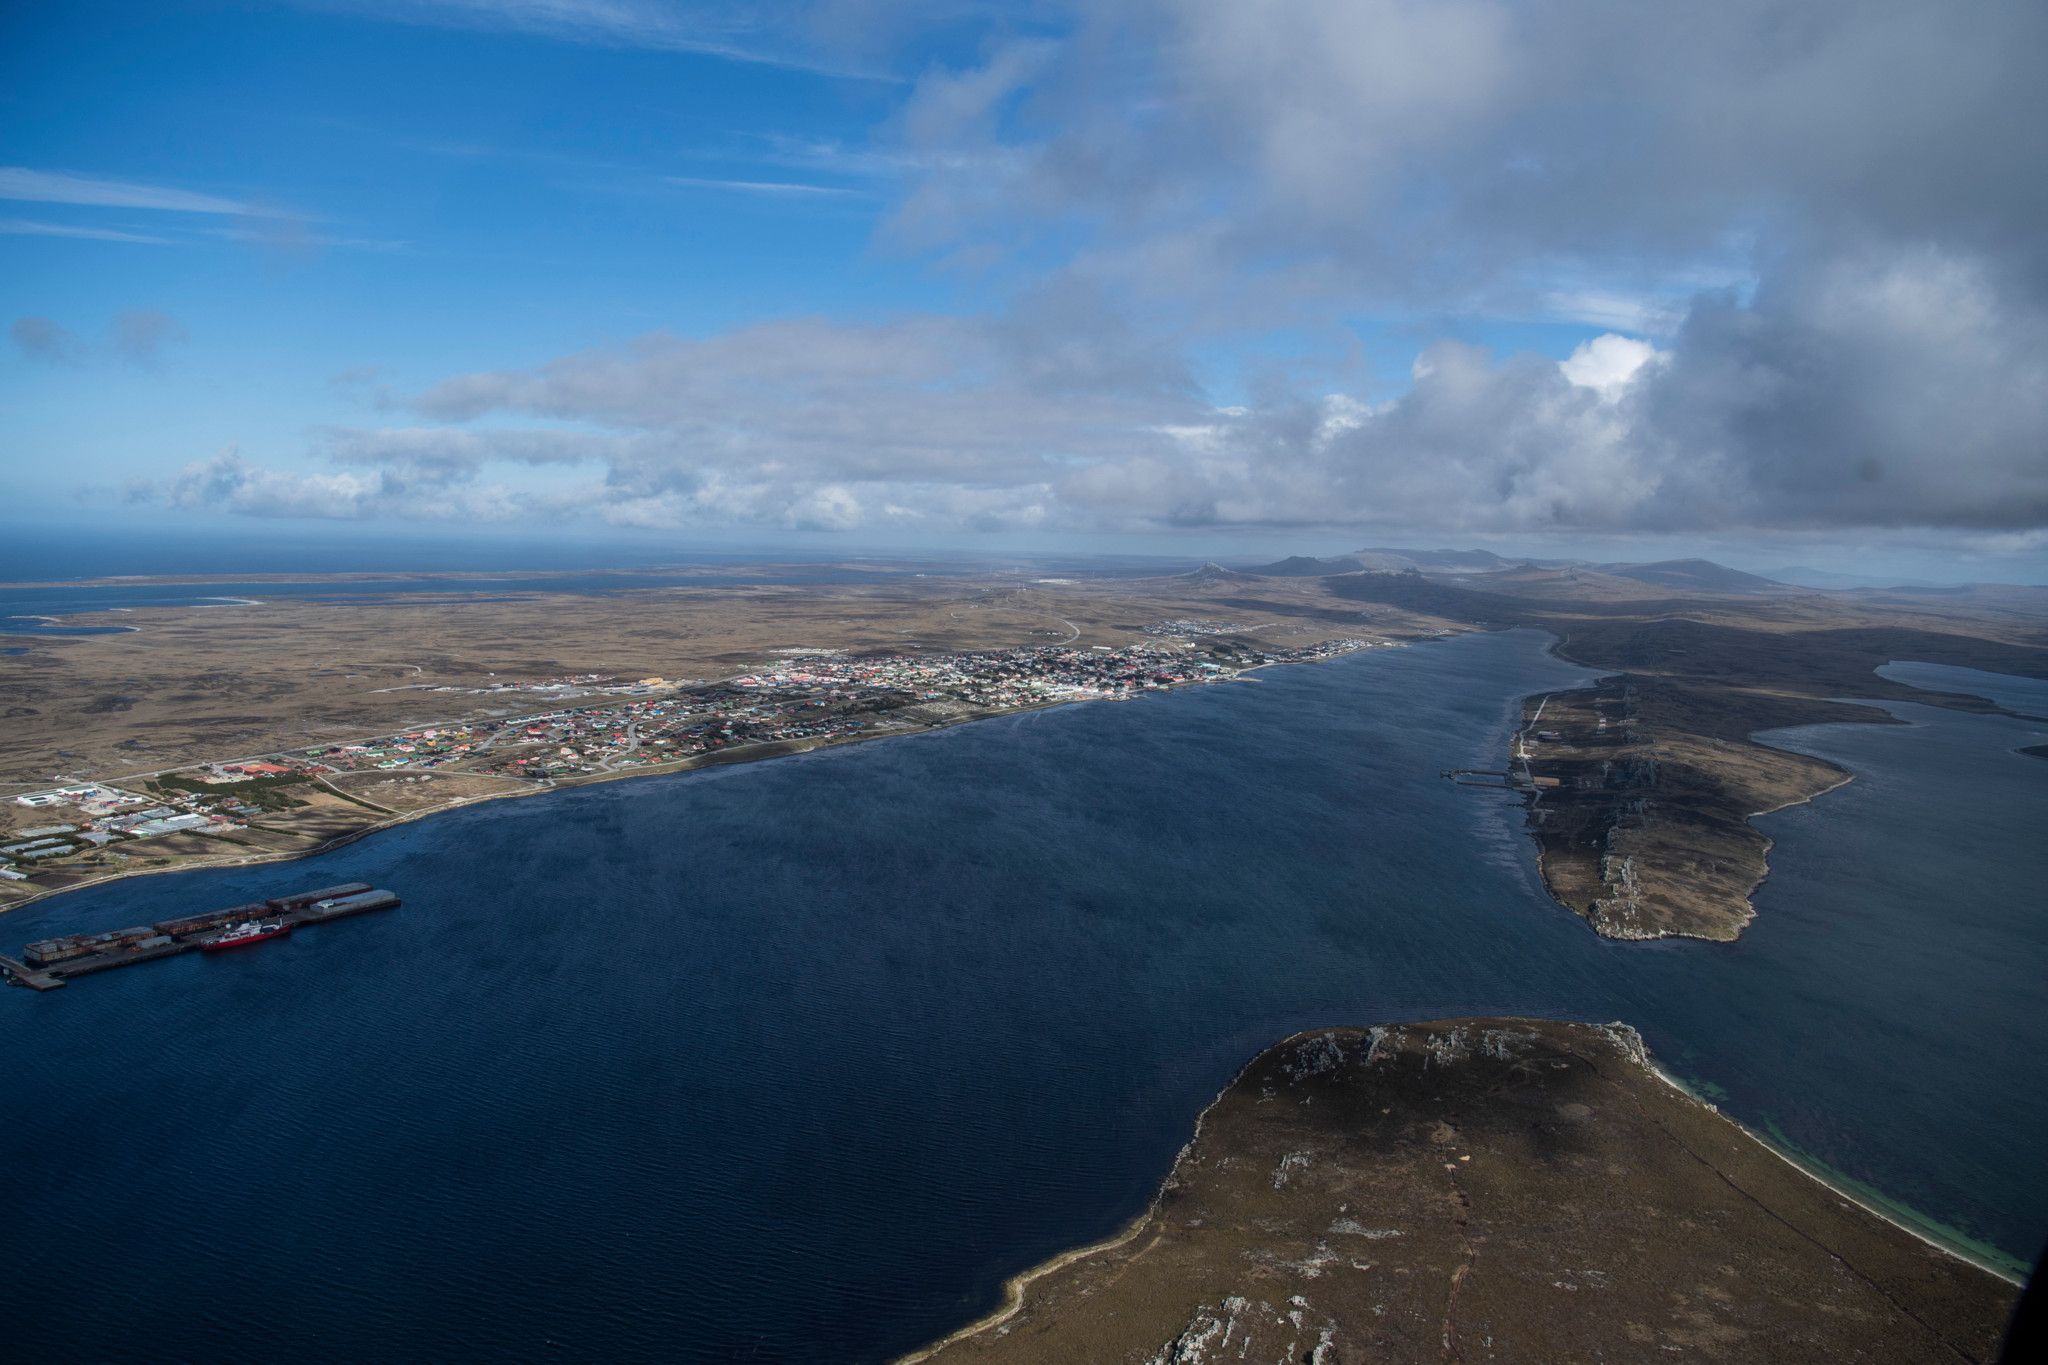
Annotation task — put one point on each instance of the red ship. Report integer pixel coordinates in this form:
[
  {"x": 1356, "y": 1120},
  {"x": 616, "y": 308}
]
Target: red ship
[{"x": 247, "y": 932}]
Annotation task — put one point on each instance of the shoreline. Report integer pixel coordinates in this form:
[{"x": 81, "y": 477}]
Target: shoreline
[
  {"x": 1015, "y": 1287},
  {"x": 397, "y": 819},
  {"x": 1879, "y": 717},
  {"x": 1923, "y": 1231},
  {"x": 1820, "y": 1176},
  {"x": 696, "y": 763}
]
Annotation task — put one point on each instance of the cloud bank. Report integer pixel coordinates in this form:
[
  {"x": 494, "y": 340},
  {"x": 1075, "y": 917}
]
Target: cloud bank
[{"x": 1812, "y": 230}]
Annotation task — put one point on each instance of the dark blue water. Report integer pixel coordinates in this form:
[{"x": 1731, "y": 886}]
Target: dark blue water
[
  {"x": 2026, "y": 697},
  {"x": 797, "y": 1061}
]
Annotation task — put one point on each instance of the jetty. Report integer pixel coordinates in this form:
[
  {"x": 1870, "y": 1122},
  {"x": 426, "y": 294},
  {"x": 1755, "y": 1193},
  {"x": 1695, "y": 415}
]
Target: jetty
[
  {"x": 1503, "y": 780},
  {"x": 48, "y": 964}
]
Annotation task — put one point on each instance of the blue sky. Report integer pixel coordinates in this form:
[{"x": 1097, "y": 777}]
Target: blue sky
[
  {"x": 1194, "y": 276},
  {"x": 425, "y": 200}
]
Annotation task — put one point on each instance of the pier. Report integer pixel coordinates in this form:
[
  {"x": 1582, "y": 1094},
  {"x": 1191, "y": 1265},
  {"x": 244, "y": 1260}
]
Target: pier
[
  {"x": 50, "y": 963},
  {"x": 18, "y": 974},
  {"x": 1499, "y": 780}
]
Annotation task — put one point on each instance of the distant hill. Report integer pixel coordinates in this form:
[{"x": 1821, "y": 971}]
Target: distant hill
[
  {"x": 1562, "y": 583},
  {"x": 1430, "y": 561},
  {"x": 1801, "y": 576},
  {"x": 1700, "y": 575},
  {"x": 1213, "y": 572},
  {"x": 1308, "y": 566},
  {"x": 1555, "y": 578}
]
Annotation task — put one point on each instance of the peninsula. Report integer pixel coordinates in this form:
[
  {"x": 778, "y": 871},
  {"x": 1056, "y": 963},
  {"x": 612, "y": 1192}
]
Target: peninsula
[
  {"x": 1640, "y": 788},
  {"x": 1487, "y": 1190}
]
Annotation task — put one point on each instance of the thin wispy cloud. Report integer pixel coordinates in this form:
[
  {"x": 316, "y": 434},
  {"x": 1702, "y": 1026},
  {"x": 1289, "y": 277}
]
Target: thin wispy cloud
[
  {"x": 291, "y": 235},
  {"x": 733, "y": 33},
  {"x": 24, "y": 227},
  {"x": 869, "y": 160},
  {"x": 789, "y": 187},
  {"x": 26, "y": 185}
]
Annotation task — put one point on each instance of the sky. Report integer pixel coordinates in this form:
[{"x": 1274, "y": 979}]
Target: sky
[{"x": 1756, "y": 279}]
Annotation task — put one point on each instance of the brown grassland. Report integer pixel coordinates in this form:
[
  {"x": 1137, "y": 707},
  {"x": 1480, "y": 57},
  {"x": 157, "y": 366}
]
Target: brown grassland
[
  {"x": 1646, "y": 781},
  {"x": 1488, "y": 1190},
  {"x": 204, "y": 685},
  {"x": 1647, "y": 832}
]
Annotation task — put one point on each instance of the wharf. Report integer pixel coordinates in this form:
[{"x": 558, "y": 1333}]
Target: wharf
[
  {"x": 1499, "y": 780},
  {"x": 51, "y": 962},
  {"x": 19, "y": 974}
]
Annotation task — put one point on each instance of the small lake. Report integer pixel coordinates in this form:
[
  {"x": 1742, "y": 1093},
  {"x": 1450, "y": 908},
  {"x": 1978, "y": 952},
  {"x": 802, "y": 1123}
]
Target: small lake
[{"x": 798, "y": 1060}]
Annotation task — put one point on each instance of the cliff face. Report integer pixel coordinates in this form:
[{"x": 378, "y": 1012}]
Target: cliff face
[{"x": 1507, "y": 1190}]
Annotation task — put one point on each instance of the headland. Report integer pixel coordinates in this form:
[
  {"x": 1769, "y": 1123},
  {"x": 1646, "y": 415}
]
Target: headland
[
  {"x": 1640, "y": 788},
  {"x": 1488, "y": 1189}
]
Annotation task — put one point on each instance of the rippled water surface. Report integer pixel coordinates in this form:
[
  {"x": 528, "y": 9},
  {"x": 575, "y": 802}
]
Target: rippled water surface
[{"x": 796, "y": 1061}]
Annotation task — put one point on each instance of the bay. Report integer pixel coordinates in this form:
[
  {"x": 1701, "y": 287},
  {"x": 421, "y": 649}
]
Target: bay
[{"x": 798, "y": 1060}]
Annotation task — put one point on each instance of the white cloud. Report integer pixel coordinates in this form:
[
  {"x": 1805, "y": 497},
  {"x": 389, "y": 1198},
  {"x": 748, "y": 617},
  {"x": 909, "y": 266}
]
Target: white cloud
[
  {"x": 228, "y": 483},
  {"x": 1607, "y": 363},
  {"x": 1810, "y": 230},
  {"x": 829, "y": 507},
  {"x": 1893, "y": 389}
]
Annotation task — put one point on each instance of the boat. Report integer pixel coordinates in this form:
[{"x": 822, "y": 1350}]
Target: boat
[{"x": 247, "y": 932}]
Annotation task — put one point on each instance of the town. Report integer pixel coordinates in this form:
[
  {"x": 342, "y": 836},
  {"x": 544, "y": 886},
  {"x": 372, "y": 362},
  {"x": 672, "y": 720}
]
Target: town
[{"x": 616, "y": 727}]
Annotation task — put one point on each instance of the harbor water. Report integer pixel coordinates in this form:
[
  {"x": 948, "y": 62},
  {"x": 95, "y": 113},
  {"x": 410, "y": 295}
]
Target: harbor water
[{"x": 798, "y": 1060}]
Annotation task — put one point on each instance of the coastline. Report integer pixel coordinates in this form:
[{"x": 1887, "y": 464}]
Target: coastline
[
  {"x": 1017, "y": 1284},
  {"x": 1626, "y": 1040},
  {"x": 695, "y": 763},
  {"x": 1872, "y": 713},
  {"x": 1832, "y": 1181},
  {"x": 1924, "y": 1230},
  {"x": 1014, "y": 1286}
]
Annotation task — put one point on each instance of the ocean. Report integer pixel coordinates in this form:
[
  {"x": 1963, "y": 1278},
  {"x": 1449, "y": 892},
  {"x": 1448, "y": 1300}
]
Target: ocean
[
  {"x": 798, "y": 1060},
  {"x": 74, "y": 609}
]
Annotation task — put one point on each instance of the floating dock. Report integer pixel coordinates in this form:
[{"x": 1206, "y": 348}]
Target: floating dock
[{"x": 48, "y": 964}]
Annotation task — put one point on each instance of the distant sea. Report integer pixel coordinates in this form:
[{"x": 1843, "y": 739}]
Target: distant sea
[
  {"x": 69, "y": 609},
  {"x": 798, "y": 1060},
  {"x": 34, "y": 554},
  {"x": 51, "y": 599}
]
